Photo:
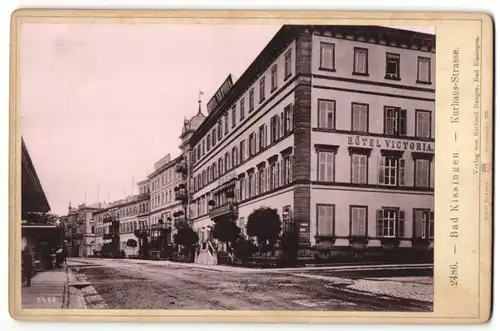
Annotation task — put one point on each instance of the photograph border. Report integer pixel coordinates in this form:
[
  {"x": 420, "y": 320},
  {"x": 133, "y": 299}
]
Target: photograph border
[{"x": 483, "y": 243}]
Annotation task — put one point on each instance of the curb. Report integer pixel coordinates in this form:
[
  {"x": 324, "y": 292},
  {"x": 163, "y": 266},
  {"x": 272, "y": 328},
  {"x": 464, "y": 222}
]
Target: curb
[{"x": 88, "y": 296}]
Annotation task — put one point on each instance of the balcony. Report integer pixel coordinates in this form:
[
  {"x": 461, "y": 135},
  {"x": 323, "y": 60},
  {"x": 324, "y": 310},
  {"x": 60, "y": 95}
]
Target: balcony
[
  {"x": 228, "y": 208},
  {"x": 108, "y": 236},
  {"x": 181, "y": 194},
  {"x": 110, "y": 219},
  {"x": 181, "y": 168},
  {"x": 142, "y": 196}
]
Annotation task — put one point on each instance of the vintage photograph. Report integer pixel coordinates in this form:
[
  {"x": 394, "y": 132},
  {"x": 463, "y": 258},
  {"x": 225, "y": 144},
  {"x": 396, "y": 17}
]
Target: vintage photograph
[{"x": 227, "y": 167}]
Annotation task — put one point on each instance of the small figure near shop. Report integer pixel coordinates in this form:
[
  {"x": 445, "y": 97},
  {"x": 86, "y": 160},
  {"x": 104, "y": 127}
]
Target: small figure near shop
[
  {"x": 65, "y": 252},
  {"x": 27, "y": 266}
]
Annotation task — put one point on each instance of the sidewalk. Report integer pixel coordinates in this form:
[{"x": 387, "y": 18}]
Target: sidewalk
[
  {"x": 49, "y": 290},
  {"x": 46, "y": 291}
]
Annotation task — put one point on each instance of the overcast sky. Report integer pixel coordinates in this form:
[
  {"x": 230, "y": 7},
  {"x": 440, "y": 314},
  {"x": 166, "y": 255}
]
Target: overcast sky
[{"x": 101, "y": 103}]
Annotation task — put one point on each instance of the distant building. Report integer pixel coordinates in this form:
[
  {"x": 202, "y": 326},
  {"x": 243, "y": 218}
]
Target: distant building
[
  {"x": 162, "y": 182},
  {"x": 86, "y": 228},
  {"x": 126, "y": 214}
]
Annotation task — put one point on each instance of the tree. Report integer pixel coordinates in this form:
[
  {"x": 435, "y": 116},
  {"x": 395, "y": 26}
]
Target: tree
[
  {"x": 186, "y": 237},
  {"x": 226, "y": 231},
  {"x": 264, "y": 224}
]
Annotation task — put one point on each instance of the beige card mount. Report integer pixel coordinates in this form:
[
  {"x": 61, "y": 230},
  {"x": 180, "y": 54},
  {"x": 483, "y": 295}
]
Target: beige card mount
[{"x": 251, "y": 166}]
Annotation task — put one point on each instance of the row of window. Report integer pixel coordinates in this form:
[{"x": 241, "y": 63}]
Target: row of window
[
  {"x": 134, "y": 210},
  {"x": 238, "y": 111},
  {"x": 395, "y": 119},
  {"x": 280, "y": 125},
  {"x": 162, "y": 198},
  {"x": 163, "y": 216},
  {"x": 130, "y": 227},
  {"x": 390, "y": 222},
  {"x": 361, "y": 63},
  {"x": 143, "y": 189},
  {"x": 391, "y": 169},
  {"x": 255, "y": 182},
  {"x": 167, "y": 177}
]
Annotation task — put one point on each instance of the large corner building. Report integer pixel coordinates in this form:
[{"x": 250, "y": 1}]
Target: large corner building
[{"x": 331, "y": 125}]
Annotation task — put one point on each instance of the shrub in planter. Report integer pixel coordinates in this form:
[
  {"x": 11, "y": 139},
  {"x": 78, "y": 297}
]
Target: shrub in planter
[
  {"x": 389, "y": 243},
  {"x": 244, "y": 248},
  {"x": 358, "y": 243}
]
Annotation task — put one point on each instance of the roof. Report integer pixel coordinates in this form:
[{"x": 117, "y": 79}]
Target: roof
[
  {"x": 166, "y": 166},
  {"x": 194, "y": 122},
  {"x": 32, "y": 193},
  {"x": 283, "y": 38}
]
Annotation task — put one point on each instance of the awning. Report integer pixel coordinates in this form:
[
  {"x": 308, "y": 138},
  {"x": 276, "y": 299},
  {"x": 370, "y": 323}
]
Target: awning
[
  {"x": 223, "y": 187},
  {"x": 32, "y": 194}
]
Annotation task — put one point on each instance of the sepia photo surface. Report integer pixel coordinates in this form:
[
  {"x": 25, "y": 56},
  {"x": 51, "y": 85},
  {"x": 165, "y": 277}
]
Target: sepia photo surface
[{"x": 247, "y": 167}]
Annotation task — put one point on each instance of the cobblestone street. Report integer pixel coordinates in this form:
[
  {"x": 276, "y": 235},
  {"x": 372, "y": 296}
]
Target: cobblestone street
[{"x": 162, "y": 285}]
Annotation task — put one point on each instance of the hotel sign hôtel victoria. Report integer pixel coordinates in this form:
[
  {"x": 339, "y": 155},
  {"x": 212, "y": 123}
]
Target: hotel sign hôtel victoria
[{"x": 331, "y": 125}]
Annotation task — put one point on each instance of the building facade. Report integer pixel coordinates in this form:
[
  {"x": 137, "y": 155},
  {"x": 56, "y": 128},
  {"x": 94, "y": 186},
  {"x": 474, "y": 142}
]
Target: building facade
[
  {"x": 116, "y": 222},
  {"x": 163, "y": 181},
  {"x": 334, "y": 127},
  {"x": 86, "y": 228}
]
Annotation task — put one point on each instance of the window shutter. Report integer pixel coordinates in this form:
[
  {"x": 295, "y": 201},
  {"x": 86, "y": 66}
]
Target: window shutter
[
  {"x": 381, "y": 170},
  {"x": 402, "y": 122},
  {"x": 320, "y": 217},
  {"x": 401, "y": 224},
  {"x": 273, "y": 128},
  {"x": 290, "y": 171},
  {"x": 402, "y": 172},
  {"x": 281, "y": 126},
  {"x": 362, "y": 221},
  {"x": 265, "y": 136},
  {"x": 330, "y": 213},
  {"x": 380, "y": 223},
  {"x": 266, "y": 179},
  {"x": 418, "y": 221},
  {"x": 257, "y": 141},
  {"x": 278, "y": 173},
  {"x": 291, "y": 116},
  {"x": 354, "y": 221}
]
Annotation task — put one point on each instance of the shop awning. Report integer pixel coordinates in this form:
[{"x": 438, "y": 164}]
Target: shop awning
[{"x": 32, "y": 194}]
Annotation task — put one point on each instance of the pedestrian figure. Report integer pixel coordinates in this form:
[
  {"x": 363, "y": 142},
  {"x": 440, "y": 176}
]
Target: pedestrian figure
[
  {"x": 27, "y": 266},
  {"x": 65, "y": 253},
  {"x": 59, "y": 257}
]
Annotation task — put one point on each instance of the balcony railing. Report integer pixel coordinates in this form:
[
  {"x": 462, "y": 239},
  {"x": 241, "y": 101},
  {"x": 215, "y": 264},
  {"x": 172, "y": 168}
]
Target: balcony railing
[
  {"x": 110, "y": 218},
  {"x": 181, "y": 194},
  {"x": 225, "y": 209},
  {"x": 141, "y": 196},
  {"x": 181, "y": 167},
  {"x": 108, "y": 236}
]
